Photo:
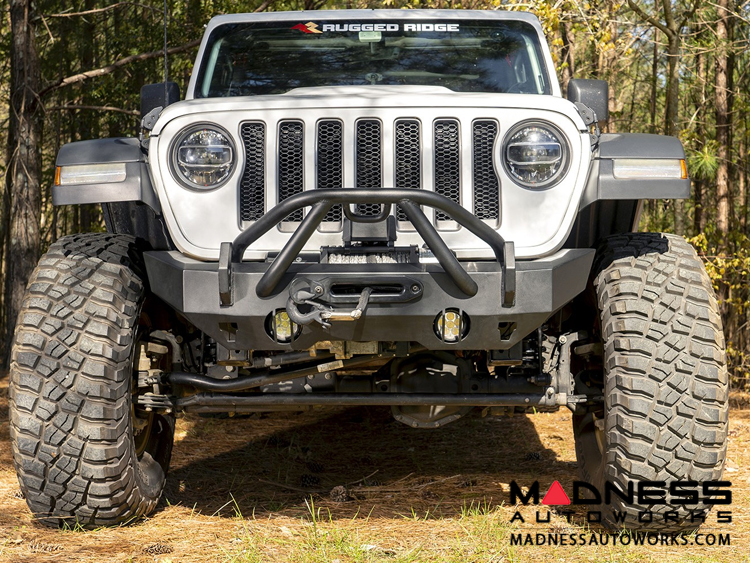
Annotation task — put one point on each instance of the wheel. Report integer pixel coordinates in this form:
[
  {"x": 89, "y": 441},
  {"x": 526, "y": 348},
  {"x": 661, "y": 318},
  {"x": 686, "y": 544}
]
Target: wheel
[
  {"x": 83, "y": 452},
  {"x": 665, "y": 411}
]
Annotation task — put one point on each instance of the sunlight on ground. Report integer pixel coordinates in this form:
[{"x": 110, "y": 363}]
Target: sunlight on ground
[{"x": 261, "y": 489}]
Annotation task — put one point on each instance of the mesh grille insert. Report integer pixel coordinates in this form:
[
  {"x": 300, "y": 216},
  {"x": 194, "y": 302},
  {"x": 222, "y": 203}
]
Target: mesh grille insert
[
  {"x": 330, "y": 161},
  {"x": 447, "y": 162},
  {"x": 486, "y": 186},
  {"x": 369, "y": 151},
  {"x": 369, "y": 155},
  {"x": 253, "y": 183},
  {"x": 291, "y": 162},
  {"x": 408, "y": 164}
]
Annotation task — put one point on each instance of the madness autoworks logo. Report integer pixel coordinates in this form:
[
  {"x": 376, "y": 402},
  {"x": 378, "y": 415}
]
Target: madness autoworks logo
[{"x": 687, "y": 494}]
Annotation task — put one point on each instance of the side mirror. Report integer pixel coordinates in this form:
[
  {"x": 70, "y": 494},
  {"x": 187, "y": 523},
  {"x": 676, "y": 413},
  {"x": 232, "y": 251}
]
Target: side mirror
[
  {"x": 591, "y": 93},
  {"x": 158, "y": 95}
]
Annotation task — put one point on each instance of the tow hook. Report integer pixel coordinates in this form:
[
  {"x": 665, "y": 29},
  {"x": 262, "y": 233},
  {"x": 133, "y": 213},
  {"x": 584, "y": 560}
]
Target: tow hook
[{"x": 321, "y": 312}]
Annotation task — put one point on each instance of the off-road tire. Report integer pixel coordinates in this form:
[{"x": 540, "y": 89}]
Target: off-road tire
[
  {"x": 665, "y": 378},
  {"x": 71, "y": 377}
]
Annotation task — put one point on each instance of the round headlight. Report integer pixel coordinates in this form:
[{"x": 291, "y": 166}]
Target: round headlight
[
  {"x": 535, "y": 154},
  {"x": 203, "y": 156}
]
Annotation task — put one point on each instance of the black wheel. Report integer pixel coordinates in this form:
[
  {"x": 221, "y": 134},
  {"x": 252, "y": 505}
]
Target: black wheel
[
  {"x": 665, "y": 412},
  {"x": 83, "y": 452}
]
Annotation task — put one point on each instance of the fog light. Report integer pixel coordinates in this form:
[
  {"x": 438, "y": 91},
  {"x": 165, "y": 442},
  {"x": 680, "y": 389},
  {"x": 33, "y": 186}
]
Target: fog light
[
  {"x": 281, "y": 328},
  {"x": 452, "y": 325}
]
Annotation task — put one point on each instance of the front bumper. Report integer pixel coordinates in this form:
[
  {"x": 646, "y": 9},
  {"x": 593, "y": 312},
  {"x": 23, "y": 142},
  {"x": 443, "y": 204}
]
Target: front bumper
[
  {"x": 542, "y": 287},
  {"x": 499, "y": 302}
]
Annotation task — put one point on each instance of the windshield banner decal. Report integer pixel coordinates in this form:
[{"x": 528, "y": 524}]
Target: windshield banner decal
[{"x": 312, "y": 27}]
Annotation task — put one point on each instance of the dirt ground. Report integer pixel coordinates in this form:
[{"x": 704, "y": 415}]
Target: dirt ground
[{"x": 258, "y": 489}]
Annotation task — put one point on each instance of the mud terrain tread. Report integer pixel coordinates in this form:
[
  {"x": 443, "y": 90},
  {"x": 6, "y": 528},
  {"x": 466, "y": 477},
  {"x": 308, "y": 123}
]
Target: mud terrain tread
[
  {"x": 666, "y": 383},
  {"x": 70, "y": 384}
]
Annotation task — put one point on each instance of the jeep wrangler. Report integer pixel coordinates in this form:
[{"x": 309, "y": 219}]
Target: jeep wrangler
[{"x": 359, "y": 207}]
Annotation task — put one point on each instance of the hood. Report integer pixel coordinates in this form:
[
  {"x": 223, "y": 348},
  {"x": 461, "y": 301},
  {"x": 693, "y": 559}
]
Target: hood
[{"x": 379, "y": 97}]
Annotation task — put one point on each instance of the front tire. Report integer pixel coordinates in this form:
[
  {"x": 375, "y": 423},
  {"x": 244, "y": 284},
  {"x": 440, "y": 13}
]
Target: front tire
[
  {"x": 665, "y": 411},
  {"x": 71, "y": 385}
]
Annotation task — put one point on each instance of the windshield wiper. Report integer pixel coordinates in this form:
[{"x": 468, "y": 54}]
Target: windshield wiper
[{"x": 427, "y": 74}]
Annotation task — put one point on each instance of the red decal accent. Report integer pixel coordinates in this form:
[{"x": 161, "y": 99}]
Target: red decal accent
[
  {"x": 302, "y": 27},
  {"x": 556, "y": 495}
]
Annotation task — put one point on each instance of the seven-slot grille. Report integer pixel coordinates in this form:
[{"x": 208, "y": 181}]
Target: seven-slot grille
[{"x": 406, "y": 148}]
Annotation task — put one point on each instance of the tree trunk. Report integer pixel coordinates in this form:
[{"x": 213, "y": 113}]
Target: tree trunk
[
  {"x": 698, "y": 206},
  {"x": 744, "y": 175},
  {"x": 670, "y": 122},
  {"x": 567, "y": 56},
  {"x": 730, "y": 140},
  {"x": 23, "y": 180},
  {"x": 654, "y": 79},
  {"x": 611, "y": 67},
  {"x": 88, "y": 125},
  {"x": 721, "y": 85},
  {"x": 699, "y": 102},
  {"x": 741, "y": 187},
  {"x": 673, "y": 85}
]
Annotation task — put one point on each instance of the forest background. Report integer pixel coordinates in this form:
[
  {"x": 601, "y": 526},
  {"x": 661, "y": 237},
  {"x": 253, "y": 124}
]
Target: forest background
[{"x": 73, "y": 70}]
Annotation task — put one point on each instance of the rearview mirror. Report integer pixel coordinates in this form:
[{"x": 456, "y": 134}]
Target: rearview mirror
[
  {"x": 158, "y": 95},
  {"x": 593, "y": 94}
]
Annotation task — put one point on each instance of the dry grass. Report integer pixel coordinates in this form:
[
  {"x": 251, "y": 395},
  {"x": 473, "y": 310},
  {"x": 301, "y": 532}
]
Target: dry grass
[{"x": 238, "y": 492}]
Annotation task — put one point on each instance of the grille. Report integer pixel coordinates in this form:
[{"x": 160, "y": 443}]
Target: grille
[
  {"x": 253, "y": 183},
  {"x": 486, "y": 186},
  {"x": 291, "y": 162},
  {"x": 408, "y": 162},
  {"x": 330, "y": 139},
  {"x": 447, "y": 162},
  {"x": 369, "y": 156},
  {"x": 330, "y": 161}
]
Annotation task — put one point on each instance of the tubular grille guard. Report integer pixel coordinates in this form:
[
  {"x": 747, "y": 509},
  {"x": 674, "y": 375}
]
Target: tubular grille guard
[{"x": 407, "y": 200}]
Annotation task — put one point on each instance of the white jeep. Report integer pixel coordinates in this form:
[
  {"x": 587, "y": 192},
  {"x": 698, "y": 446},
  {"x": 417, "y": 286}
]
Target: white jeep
[{"x": 391, "y": 208}]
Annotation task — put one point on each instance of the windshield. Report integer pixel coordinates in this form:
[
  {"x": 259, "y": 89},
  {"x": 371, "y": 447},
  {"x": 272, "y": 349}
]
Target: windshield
[{"x": 247, "y": 59}]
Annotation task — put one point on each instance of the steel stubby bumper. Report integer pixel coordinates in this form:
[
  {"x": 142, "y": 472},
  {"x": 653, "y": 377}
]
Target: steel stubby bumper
[
  {"x": 499, "y": 302},
  {"x": 544, "y": 286}
]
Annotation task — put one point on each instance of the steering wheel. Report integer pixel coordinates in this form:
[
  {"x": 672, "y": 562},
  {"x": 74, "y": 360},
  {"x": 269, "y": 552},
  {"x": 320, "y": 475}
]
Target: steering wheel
[{"x": 515, "y": 88}]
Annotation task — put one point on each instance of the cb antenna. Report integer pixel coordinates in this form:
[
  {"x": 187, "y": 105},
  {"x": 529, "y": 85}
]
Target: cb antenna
[{"x": 166, "y": 68}]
